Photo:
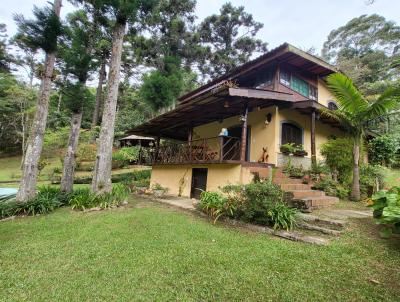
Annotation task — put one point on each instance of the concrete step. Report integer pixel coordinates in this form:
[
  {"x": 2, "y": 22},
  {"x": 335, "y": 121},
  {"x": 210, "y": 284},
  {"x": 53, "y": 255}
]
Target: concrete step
[
  {"x": 320, "y": 201},
  {"x": 304, "y": 194},
  {"x": 292, "y": 187},
  {"x": 335, "y": 224},
  {"x": 286, "y": 180}
]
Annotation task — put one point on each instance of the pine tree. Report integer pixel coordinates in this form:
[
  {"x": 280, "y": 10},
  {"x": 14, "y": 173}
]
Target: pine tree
[{"x": 41, "y": 33}]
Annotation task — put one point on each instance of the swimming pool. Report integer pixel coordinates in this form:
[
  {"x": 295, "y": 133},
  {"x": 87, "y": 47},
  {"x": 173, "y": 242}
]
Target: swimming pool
[{"x": 8, "y": 191}]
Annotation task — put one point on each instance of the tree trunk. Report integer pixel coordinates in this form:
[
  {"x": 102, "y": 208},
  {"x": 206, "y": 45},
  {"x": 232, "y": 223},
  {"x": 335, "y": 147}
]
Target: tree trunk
[
  {"x": 99, "y": 94},
  {"x": 67, "y": 179},
  {"x": 355, "y": 193},
  {"x": 102, "y": 173},
  {"x": 27, "y": 189}
]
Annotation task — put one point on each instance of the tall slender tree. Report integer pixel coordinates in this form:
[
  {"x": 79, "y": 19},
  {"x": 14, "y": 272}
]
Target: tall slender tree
[
  {"x": 43, "y": 33},
  {"x": 122, "y": 13},
  {"x": 354, "y": 114},
  {"x": 76, "y": 52}
]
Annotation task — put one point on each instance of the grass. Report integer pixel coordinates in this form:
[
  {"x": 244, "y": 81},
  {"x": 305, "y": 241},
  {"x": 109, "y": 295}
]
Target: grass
[
  {"x": 148, "y": 252},
  {"x": 392, "y": 177},
  {"x": 10, "y": 171}
]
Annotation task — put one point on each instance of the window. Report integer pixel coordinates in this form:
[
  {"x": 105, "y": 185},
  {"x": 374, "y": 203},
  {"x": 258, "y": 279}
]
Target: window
[
  {"x": 264, "y": 78},
  {"x": 291, "y": 134},
  {"x": 284, "y": 78},
  {"x": 300, "y": 86},
  {"x": 313, "y": 93},
  {"x": 332, "y": 106}
]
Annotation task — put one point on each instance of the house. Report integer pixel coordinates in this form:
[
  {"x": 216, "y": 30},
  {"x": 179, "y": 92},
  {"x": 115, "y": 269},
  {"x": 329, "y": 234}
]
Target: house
[
  {"x": 232, "y": 128},
  {"x": 136, "y": 140}
]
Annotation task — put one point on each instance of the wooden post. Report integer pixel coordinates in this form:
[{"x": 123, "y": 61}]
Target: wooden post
[
  {"x": 190, "y": 138},
  {"x": 221, "y": 148},
  {"x": 244, "y": 135},
  {"x": 156, "y": 150},
  {"x": 313, "y": 149}
]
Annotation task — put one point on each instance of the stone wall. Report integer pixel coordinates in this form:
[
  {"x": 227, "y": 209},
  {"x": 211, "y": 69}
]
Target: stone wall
[{"x": 296, "y": 161}]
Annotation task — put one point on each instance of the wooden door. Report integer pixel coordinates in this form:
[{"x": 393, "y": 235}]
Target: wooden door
[{"x": 199, "y": 182}]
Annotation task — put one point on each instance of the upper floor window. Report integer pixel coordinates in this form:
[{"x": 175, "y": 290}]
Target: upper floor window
[
  {"x": 298, "y": 85},
  {"x": 284, "y": 78},
  {"x": 264, "y": 78},
  {"x": 291, "y": 133},
  {"x": 332, "y": 105}
]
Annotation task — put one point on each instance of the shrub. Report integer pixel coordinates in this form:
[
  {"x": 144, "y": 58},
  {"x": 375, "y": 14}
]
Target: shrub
[
  {"x": 332, "y": 188},
  {"x": 294, "y": 172},
  {"x": 83, "y": 199},
  {"x": 386, "y": 206},
  {"x": 130, "y": 153},
  {"x": 46, "y": 201},
  {"x": 382, "y": 149},
  {"x": 215, "y": 205},
  {"x": 119, "y": 160},
  {"x": 86, "y": 152},
  {"x": 281, "y": 216},
  {"x": 371, "y": 177},
  {"x": 338, "y": 154}
]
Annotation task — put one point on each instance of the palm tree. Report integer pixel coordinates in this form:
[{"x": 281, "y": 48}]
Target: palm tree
[{"x": 355, "y": 112}]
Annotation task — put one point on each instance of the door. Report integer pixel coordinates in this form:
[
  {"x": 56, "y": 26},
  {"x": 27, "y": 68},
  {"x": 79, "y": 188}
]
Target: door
[{"x": 199, "y": 182}]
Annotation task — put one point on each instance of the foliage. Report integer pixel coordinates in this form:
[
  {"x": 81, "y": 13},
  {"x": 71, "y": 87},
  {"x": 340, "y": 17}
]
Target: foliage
[
  {"x": 86, "y": 152},
  {"x": 338, "y": 156},
  {"x": 282, "y": 216},
  {"x": 386, "y": 206},
  {"x": 382, "y": 149},
  {"x": 43, "y": 32},
  {"x": 293, "y": 171},
  {"x": 332, "y": 188},
  {"x": 161, "y": 89},
  {"x": 371, "y": 179},
  {"x": 46, "y": 201},
  {"x": 119, "y": 160},
  {"x": 365, "y": 49},
  {"x": 288, "y": 148},
  {"x": 84, "y": 199},
  {"x": 158, "y": 187},
  {"x": 229, "y": 40},
  {"x": 214, "y": 204},
  {"x": 130, "y": 153}
]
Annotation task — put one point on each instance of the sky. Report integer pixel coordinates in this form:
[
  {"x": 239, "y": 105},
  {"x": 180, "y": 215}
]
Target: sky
[{"x": 304, "y": 23}]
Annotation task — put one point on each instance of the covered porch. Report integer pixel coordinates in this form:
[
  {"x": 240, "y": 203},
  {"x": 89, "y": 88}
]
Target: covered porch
[{"x": 191, "y": 131}]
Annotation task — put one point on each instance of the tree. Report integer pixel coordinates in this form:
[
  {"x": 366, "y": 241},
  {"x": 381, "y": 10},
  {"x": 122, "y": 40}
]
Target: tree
[
  {"x": 42, "y": 33},
  {"x": 230, "y": 39},
  {"x": 122, "y": 12},
  {"x": 76, "y": 52},
  {"x": 5, "y": 57},
  {"x": 365, "y": 49},
  {"x": 355, "y": 112}
]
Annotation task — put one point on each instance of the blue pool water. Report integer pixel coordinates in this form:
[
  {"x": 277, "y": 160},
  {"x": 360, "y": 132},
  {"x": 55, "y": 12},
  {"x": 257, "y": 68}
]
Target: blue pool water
[{"x": 8, "y": 191}]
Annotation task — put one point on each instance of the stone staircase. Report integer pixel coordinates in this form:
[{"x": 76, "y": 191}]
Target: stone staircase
[{"x": 301, "y": 195}]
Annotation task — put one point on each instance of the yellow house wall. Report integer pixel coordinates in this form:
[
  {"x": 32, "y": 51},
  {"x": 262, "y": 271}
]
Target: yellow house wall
[
  {"x": 177, "y": 178},
  {"x": 324, "y": 95},
  {"x": 322, "y": 131}
]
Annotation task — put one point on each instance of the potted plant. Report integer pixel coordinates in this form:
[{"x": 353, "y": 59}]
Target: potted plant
[
  {"x": 299, "y": 151},
  {"x": 158, "y": 190},
  {"x": 287, "y": 148}
]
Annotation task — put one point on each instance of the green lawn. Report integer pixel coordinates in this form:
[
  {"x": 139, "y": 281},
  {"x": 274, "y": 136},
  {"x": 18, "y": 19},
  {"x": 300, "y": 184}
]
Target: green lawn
[{"x": 152, "y": 253}]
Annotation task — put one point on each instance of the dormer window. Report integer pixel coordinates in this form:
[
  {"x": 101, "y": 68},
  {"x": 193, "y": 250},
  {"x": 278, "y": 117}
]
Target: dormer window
[{"x": 332, "y": 105}]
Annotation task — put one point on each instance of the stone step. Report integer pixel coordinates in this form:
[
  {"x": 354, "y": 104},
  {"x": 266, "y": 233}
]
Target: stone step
[
  {"x": 304, "y": 194},
  {"x": 336, "y": 224},
  {"x": 292, "y": 187},
  {"x": 323, "y": 230},
  {"x": 320, "y": 201},
  {"x": 286, "y": 180}
]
